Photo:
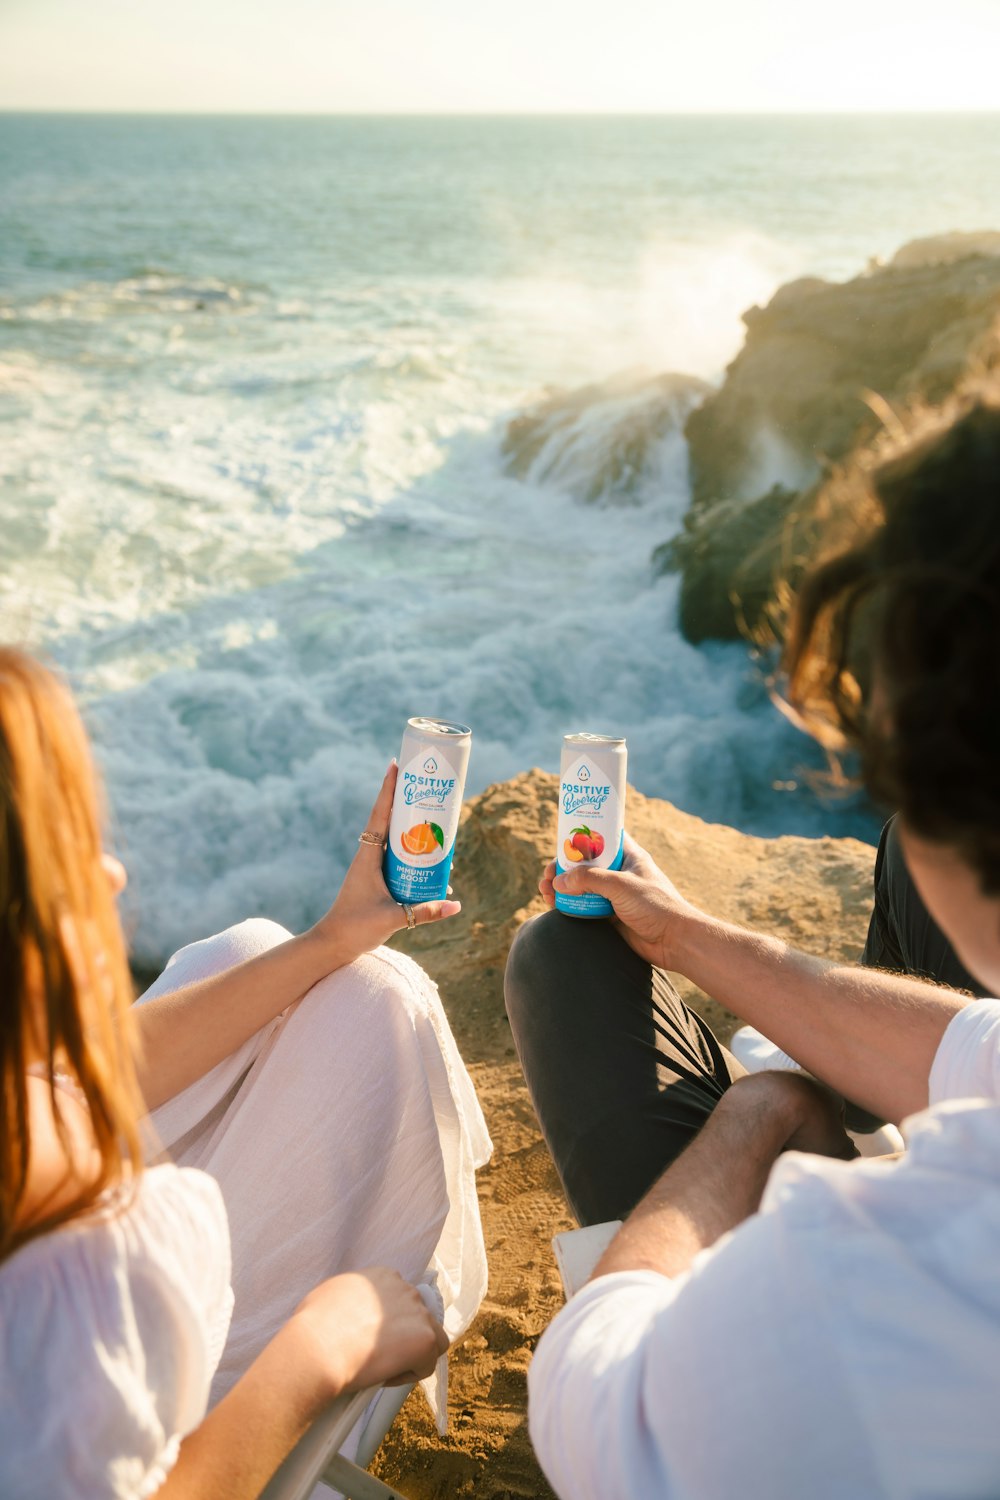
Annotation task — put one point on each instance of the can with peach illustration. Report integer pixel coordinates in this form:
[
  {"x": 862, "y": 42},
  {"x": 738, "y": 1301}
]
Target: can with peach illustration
[
  {"x": 426, "y": 808},
  {"x": 591, "y": 814}
]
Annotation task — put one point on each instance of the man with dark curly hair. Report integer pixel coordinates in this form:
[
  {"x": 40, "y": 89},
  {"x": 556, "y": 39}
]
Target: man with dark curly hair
[{"x": 804, "y": 1324}]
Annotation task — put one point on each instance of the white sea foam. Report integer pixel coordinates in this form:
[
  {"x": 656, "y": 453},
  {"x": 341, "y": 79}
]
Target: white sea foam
[
  {"x": 252, "y": 494},
  {"x": 255, "y": 569},
  {"x": 692, "y": 297},
  {"x": 253, "y": 592},
  {"x": 680, "y": 308},
  {"x": 242, "y": 773}
]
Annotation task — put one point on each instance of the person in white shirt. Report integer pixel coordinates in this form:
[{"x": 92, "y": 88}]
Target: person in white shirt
[
  {"x": 174, "y": 1327},
  {"x": 775, "y": 1319}
]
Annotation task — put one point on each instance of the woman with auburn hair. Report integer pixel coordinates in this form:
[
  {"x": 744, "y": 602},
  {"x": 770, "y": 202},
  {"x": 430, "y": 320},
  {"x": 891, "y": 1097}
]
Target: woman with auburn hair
[
  {"x": 172, "y": 1326},
  {"x": 64, "y": 1016}
]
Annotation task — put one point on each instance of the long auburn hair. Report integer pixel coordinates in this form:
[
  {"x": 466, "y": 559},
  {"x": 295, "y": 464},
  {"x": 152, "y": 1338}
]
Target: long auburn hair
[{"x": 65, "y": 988}]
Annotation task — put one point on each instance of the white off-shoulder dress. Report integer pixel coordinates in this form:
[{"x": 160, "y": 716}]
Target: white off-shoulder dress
[{"x": 344, "y": 1134}]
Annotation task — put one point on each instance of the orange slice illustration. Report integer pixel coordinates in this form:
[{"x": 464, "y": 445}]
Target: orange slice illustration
[{"x": 419, "y": 839}]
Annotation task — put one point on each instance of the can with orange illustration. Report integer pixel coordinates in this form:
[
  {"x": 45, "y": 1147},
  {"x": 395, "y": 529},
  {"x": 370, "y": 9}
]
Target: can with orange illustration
[{"x": 426, "y": 809}]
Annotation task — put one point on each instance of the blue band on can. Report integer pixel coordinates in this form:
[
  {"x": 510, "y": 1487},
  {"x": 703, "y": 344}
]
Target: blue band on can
[
  {"x": 587, "y": 904},
  {"x": 410, "y": 883}
]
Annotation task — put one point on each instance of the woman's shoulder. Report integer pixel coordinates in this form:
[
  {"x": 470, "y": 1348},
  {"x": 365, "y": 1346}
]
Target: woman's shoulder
[
  {"x": 168, "y": 1206},
  {"x": 168, "y": 1227},
  {"x": 112, "y": 1326}
]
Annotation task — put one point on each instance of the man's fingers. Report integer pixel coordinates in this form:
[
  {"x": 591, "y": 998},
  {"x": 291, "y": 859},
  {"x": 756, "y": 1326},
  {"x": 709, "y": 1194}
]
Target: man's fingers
[
  {"x": 378, "y": 818},
  {"x": 545, "y": 883},
  {"x": 599, "y": 881},
  {"x": 635, "y": 855}
]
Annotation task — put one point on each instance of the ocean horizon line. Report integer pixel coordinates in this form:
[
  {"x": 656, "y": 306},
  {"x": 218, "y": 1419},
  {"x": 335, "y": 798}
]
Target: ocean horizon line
[{"x": 10, "y": 111}]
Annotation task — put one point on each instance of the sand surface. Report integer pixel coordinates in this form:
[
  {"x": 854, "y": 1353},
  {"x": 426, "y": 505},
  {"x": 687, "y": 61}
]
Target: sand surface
[{"x": 816, "y": 892}]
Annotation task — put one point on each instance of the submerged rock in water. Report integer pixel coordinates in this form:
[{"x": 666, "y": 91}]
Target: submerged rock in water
[
  {"x": 602, "y": 441},
  {"x": 728, "y": 562},
  {"x": 822, "y": 367}
]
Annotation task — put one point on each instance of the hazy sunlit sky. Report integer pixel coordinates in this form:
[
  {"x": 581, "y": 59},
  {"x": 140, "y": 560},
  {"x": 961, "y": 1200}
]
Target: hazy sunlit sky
[{"x": 495, "y": 56}]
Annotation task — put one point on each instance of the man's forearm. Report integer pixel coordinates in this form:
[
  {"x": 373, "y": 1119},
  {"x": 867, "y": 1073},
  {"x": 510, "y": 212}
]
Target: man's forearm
[
  {"x": 872, "y": 1036},
  {"x": 714, "y": 1184}
]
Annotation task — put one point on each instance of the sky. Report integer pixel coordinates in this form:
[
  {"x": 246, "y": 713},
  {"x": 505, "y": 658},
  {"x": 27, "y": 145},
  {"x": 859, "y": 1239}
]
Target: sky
[{"x": 499, "y": 56}]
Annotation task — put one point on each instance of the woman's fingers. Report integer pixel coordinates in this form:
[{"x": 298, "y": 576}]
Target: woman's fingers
[
  {"x": 427, "y": 1365},
  {"x": 378, "y": 818},
  {"x": 378, "y": 822},
  {"x": 434, "y": 911}
]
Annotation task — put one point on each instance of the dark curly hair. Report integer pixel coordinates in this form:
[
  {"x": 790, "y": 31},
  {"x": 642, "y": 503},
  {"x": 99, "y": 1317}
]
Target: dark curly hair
[{"x": 894, "y": 644}]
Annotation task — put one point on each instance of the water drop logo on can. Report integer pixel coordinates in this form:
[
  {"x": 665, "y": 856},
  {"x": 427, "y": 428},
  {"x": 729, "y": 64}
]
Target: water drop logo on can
[
  {"x": 591, "y": 815},
  {"x": 433, "y": 761}
]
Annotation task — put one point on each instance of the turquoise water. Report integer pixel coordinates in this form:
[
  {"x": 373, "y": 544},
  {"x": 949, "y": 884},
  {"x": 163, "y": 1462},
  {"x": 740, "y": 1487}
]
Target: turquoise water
[{"x": 253, "y": 379}]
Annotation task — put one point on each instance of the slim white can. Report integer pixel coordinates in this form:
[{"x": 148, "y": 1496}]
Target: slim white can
[
  {"x": 591, "y": 814},
  {"x": 426, "y": 808}
]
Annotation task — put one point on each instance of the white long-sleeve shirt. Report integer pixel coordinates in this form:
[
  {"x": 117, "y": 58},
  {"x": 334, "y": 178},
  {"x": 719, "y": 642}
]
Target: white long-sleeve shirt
[
  {"x": 345, "y": 1133},
  {"x": 841, "y": 1344}
]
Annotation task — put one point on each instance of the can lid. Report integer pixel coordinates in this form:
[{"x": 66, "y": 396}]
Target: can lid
[
  {"x": 593, "y": 739},
  {"x": 439, "y": 726}
]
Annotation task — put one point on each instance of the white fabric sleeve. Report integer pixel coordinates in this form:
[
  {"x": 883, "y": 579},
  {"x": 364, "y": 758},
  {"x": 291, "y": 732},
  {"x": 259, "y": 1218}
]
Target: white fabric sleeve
[
  {"x": 586, "y": 1405},
  {"x": 108, "y": 1331},
  {"x": 967, "y": 1063},
  {"x": 698, "y": 1388},
  {"x": 77, "y": 1414}
]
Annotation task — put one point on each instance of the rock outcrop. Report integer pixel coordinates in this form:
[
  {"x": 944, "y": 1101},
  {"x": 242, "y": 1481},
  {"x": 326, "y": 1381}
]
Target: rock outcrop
[
  {"x": 823, "y": 365},
  {"x": 939, "y": 249},
  {"x": 815, "y": 892},
  {"x": 601, "y": 442}
]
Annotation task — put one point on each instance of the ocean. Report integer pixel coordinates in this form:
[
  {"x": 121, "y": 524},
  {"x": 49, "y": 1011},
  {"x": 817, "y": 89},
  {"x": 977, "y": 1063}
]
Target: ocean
[{"x": 254, "y": 379}]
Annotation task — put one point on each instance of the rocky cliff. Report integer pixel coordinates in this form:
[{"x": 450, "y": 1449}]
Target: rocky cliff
[{"x": 823, "y": 367}]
